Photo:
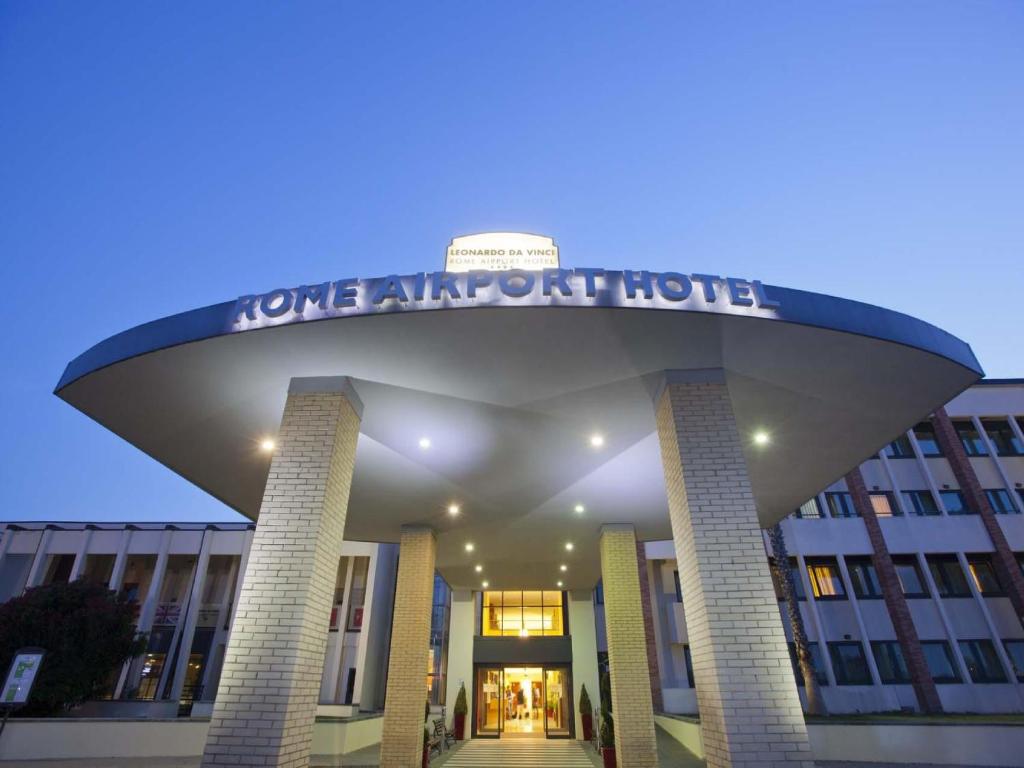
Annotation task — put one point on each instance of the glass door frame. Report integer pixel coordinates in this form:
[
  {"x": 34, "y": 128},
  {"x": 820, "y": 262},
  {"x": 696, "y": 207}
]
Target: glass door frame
[
  {"x": 564, "y": 667},
  {"x": 566, "y": 670},
  {"x": 479, "y": 669}
]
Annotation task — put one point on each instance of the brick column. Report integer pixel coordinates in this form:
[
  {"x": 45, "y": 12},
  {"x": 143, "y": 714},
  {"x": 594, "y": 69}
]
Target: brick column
[
  {"x": 892, "y": 591},
  {"x": 402, "y": 741},
  {"x": 1003, "y": 559},
  {"x": 267, "y": 698},
  {"x": 652, "y": 645},
  {"x": 632, "y": 709},
  {"x": 750, "y": 712}
]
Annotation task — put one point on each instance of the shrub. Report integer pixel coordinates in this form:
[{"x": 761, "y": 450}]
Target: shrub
[
  {"x": 87, "y": 632},
  {"x": 585, "y": 701},
  {"x": 461, "y": 707}
]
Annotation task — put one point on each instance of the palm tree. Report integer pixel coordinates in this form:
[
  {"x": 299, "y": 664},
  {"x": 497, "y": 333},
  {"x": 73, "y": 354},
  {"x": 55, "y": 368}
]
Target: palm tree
[{"x": 815, "y": 703}]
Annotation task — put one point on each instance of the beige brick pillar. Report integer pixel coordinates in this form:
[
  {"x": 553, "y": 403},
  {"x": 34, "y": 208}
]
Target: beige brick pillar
[
  {"x": 632, "y": 710},
  {"x": 750, "y": 711},
  {"x": 402, "y": 741},
  {"x": 267, "y": 698}
]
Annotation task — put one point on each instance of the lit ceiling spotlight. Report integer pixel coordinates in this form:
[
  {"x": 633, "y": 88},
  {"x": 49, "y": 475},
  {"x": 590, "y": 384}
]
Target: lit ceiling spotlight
[
  {"x": 596, "y": 441},
  {"x": 568, "y": 546},
  {"x": 485, "y": 584},
  {"x": 478, "y": 568},
  {"x": 579, "y": 509},
  {"x": 453, "y": 509},
  {"x": 424, "y": 443},
  {"x": 524, "y": 633},
  {"x": 761, "y": 438},
  {"x": 563, "y": 567},
  {"x": 267, "y": 445},
  {"x": 560, "y": 584},
  {"x": 469, "y": 546}
]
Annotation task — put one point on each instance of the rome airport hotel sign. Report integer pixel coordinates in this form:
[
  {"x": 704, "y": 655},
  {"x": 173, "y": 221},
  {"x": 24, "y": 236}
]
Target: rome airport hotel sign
[{"x": 502, "y": 269}]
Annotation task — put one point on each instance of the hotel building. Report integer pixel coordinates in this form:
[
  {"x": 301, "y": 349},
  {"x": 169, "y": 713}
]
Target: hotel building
[{"x": 511, "y": 479}]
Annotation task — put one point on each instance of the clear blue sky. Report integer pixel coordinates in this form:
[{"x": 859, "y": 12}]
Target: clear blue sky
[{"x": 162, "y": 156}]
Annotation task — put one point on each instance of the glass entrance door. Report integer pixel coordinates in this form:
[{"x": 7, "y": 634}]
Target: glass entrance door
[
  {"x": 557, "y": 702},
  {"x": 488, "y": 701}
]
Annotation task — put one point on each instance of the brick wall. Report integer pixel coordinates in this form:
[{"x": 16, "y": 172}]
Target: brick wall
[
  {"x": 635, "y": 745},
  {"x": 749, "y": 707},
  {"x": 267, "y": 698},
  {"x": 1003, "y": 559},
  {"x": 892, "y": 591},
  {"x": 652, "y": 646},
  {"x": 402, "y": 740}
]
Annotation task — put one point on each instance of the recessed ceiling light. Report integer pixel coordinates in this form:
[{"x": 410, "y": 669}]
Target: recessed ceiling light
[
  {"x": 469, "y": 546},
  {"x": 568, "y": 546},
  {"x": 267, "y": 445},
  {"x": 453, "y": 509},
  {"x": 485, "y": 584},
  {"x": 596, "y": 441},
  {"x": 478, "y": 568},
  {"x": 559, "y": 584},
  {"x": 424, "y": 443},
  {"x": 579, "y": 509},
  {"x": 761, "y": 438},
  {"x": 563, "y": 567}
]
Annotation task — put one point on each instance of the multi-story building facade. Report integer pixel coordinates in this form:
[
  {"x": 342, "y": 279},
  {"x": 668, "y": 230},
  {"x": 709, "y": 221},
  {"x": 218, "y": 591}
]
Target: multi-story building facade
[{"x": 926, "y": 494}]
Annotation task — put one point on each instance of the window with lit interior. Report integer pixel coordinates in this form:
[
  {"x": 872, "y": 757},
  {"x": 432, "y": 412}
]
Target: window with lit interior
[{"x": 522, "y": 613}]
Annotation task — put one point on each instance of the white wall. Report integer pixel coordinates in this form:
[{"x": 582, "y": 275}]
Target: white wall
[
  {"x": 461, "y": 630},
  {"x": 582, "y": 628}
]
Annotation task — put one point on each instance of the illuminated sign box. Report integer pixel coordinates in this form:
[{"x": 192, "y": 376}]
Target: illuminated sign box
[{"x": 501, "y": 251}]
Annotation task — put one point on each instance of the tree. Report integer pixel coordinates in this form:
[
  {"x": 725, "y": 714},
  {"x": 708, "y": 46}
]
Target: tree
[
  {"x": 784, "y": 575},
  {"x": 87, "y": 632}
]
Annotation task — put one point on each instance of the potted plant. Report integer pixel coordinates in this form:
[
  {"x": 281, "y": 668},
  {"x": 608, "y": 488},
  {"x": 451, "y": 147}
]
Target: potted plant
[
  {"x": 459, "y": 714},
  {"x": 608, "y": 740},
  {"x": 586, "y": 715},
  {"x": 426, "y": 748}
]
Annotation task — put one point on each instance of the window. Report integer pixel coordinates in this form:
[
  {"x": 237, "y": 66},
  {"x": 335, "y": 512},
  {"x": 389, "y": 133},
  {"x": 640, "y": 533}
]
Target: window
[
  {"x": 910, "y": 576},
  {"x": 949, "y": 577},
  {"x": 940, "y": 661},
  {"x": 884, "y": 504},
  {"x": 974, "y": 444},
  {"x": 678, "y": 586},
  {"x": 921, "y": 502},
  {"x": 826, "y": 582},
  {"x": 840, "y": 504},
  {"x": 1015, "y": 650},
  {"x": 1001, "y": 502},
  {"x": 982, "y": 662},
  {"x": 817, "y": 664},
  {"x": 1003, "y": 437},
  {"x": 809, "y": 510},
  {"x": 983, "y": 573},
  {"x": 900, "y": 448},
  {"x": 863, "y": 577},
  {"x": 849, "y": 663},
  {"x": 924, "y": 432},
  {"x": 955, "y": 503},
  {"x": 437, "y": 658},
  {"x": 892, "y": 669},
  {"x": 522, "y": 614}
]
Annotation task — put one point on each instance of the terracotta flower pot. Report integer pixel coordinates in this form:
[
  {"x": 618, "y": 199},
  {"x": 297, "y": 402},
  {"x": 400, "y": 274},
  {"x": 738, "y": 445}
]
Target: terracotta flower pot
[
  {"x": 459, "y": 725},
  {"x": 608, "y": 756},
  {"x": 588, "y": 726},
  {"x": 426, "y": 757}
]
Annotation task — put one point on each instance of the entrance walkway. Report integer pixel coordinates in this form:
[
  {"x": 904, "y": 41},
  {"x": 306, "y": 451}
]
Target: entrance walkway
[{"x": 550, "y": 753}]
